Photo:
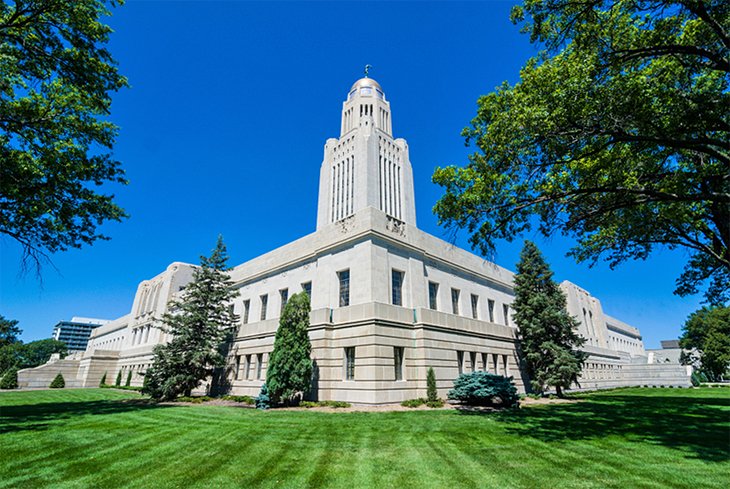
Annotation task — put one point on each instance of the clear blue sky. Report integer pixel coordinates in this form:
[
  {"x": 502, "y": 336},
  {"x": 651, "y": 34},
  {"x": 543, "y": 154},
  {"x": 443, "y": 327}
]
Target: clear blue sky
[{"x": 223, "y": 128}]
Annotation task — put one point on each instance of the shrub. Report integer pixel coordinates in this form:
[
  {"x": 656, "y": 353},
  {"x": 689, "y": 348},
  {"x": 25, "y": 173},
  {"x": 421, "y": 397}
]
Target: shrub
[
  {"x": 332, "y": 404},
  {"x": 414, "y": 403},
  {"x": 58, "y": 382},
  {"x": 263, "y": 401},
  {"x": 102, "y": 382},
  {"x": 193, "y": 400},
  {"x": 119, "y": 378},
  {"x": 9, "y": 380},
  {"x": 129, "y": 378},
  {"x": 122, "y": 387},
  {"x": 243, "y": 399},
  {"x": 438, "y": 403},
  {"x": 431, "y": 391},
  {"x": 484, "y": 389}
]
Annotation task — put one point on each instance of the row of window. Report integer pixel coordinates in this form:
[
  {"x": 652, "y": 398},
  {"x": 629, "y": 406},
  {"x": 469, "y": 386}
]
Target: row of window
[
  {"x": 488, "y": 362},
  {"x": 264, "y": 303},
  {"x": 245, "y": 366},
  {"x": 600, "y": 371}
]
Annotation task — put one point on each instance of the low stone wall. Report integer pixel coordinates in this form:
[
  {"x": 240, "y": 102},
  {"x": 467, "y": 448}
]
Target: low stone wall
[
  {"x": 42, "y": 376},
  {"x": 637, "y": 375}
]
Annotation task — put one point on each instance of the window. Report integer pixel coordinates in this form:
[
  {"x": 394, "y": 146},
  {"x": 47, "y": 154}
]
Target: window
[
  {"x": 284, "y": 294},
  {"x": 247, "y": 373},
  {"x": 246, "y": 306},
  {"x": 473, "y": 358},
  {"x": 307, "y": 287},
  {"x": 259, "y": 365},
  {"x": 490, "y": 304},
  {"x": 398, "y": 361},
  {"x": 397, "y": 282},
  {"x": 433, "y": 292},
  {"x": 505, "y": 362},
  {"x": 455, "y": 301},
  {"x": 264, "y": 303},
  {"x": 460, "y": 361},
  {"x": 505, "y": 310},
  {"x": 350, "y": 363},
  {"x": 475, "y": 306},
  {"x": 495, "y": 364},
  {"x": 344, "y": 278},
  {"x": 485, "y": 362},
  {"x": 237, "y": 372}
]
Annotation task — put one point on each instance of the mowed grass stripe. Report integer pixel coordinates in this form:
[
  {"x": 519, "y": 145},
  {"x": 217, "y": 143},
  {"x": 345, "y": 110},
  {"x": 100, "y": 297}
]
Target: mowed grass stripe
[{"x": 628, "y": 438}]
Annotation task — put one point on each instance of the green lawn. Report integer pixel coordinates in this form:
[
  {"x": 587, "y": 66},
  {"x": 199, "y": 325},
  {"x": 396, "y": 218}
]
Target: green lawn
[{"x": 628, "y": 438}]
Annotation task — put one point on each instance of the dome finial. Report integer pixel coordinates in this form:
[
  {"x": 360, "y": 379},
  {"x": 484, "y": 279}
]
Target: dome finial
[{"x": 367, "y": 70}]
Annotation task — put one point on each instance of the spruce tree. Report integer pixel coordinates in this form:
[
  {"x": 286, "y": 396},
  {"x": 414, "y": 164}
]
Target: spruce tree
[
  {"x": 129, "y": 378},
  {"x": 103, "y": 380},
  {"x": 289, "y": 372},
  {"x": 58, "y": 382},
  {"x": 198, "y": 323},
  {"x": 118, "y": 382},
  {"x": 547, "y": 333},
  {"x": 431, "y": 390}
]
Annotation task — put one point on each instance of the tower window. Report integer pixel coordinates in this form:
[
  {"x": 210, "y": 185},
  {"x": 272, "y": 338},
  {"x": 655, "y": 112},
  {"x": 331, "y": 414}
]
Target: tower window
[
  {"x": 433, "y": 292},
  {"x": 246, "y": 307},
  {"x": 264, "y": 303},
  {"x": 505, "y": 310},
  {"x": 455, "y": 301},
  {"x": 344, "y": 278},
  {"x": 284, "y": 294},
  {"x": 475, "y": 306},
  {"x": 398, "y": 362},
  {"x": 490, "y": 305},
  {"x": 397, "y": 286},
  {"x": 350, "y": 363}
]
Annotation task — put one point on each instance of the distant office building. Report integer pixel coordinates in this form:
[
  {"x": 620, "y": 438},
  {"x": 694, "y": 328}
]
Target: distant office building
[{"x": 75, "y": 333}]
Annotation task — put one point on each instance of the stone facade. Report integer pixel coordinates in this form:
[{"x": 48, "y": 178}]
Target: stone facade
[{"x": 388, "y": 300}]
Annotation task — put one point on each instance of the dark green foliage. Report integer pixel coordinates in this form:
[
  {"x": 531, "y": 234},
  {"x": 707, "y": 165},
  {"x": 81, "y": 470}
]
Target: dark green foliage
[
  {"x": 122, "y": 387},
  {"x": 616, "y": 134},
  {"x": 9, "y": 331},
  {"x": 118, "y": 382},
  {"x": 330, "y": 404},
  {"x": 29, "y": 355},
  {"x": 548, "y": 342},
  {"x": 193, "y": 400},
  {"x": 263, "y": 401},
  {"x": 58, "y": 382},
  {"x": 438, "y": 403},
  {"x": 199, "y": 326},
  {"x": 102, "y": 382},
  {"x": 431, "y": 391},
  {"x": 129, "y": 378},
  {"x": 9, "y": 380},
  {"x": 414, "y": 403},
  {"x": 242, "y": 399},
  {"x": 707, "y": 331},
  {"x": 56, "y": 77},
  {"x": 289, "y": 372},
  {"x": 484, "y": 389}
]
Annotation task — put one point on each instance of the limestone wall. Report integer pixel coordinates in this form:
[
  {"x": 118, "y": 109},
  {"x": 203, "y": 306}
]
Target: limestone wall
[{"x": 42, "y": 376}]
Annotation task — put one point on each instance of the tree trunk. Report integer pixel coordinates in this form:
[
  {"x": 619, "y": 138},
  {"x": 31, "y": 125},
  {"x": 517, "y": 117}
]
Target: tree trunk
[{"x": 559, "y": 391}]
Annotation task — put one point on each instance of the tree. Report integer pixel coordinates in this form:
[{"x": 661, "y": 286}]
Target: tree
[
  {"x": 29, "y": 355},
  {"x": 708, "y": 331},
  {"x": 289, "y": 372},
  {"x": 484, "y": 389},
  {"x": 431, "y": 391},
  {"x": 56, "y": 77},
  {"x": 9, "y": 379},
  {"x": 118, "y": 381},
  {"x": 129, "y": 379},
  {"x": 9, "y": 331},
  {"x": 546, "y": 332},
  {"x": 616, "y": 135},
  {"x": 58, "y": 382},
  {"x": 199, "y": 322},
  {"x": 102, "y": 382}
]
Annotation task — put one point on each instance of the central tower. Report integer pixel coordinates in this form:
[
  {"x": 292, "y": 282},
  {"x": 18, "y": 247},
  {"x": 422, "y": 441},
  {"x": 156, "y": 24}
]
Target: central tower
[{"x": 365, "y": 167}]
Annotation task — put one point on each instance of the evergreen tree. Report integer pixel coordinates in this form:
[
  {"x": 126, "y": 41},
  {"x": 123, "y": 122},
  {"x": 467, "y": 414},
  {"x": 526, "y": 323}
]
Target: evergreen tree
[
  {"x": 289, "y": 372},
  {"x": 118, "y": 382},
  {"x": 129, "y": 378},
  {"x": 103, "y": 380},
  {"x": 547, "y": 335},
  {"x": 9, "y": 380},
  {"x": 431, "y": 391},
  {"x": 198, "y": 323},
  {"x": 58, "y": 382}
]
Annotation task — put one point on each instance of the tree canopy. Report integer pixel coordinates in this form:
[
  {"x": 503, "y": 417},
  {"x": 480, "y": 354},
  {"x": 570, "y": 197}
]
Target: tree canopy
[
  {"x": 9, "y": 331},
  {"x": 56, "y": 78},
  {"x": 199, "y": 323},
  {"x": 548, "y": 341},
  {"x": 707, "y": 332},
  {"x": 616, "y": 135}
]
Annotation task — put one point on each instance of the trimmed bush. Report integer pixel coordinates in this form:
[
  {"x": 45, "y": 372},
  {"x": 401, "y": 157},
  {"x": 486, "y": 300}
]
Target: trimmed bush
[
  {"x": 119, "y": 378},
  {"x": 331, "y": 404},
  {"x": 243, "y": 399},
  {"x": 58, "y": 382},
  {"x": 414, "y": 403},
  {"x": 193, "y": 400},
  {"x": 263, "y": 401},
  {"x": 9, "y": 379},
  {"x": 431, "y": 391},
  {"x": 484, "y": 389},
  {"x": 438, "y": 403},
  {"x": 129, "y": 378},
  {"x": 102, "y": 382}
]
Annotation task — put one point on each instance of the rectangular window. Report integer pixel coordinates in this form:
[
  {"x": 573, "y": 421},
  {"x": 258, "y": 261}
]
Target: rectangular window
[
  {"x": 344, "y": 278},
  {"x": 505, "y": 311},
  {"x": 495, "y": 364},
  {"x": 237, "y": 372},
  {"x": 485, "y": 362},
  {"x": 264, "y": 304},
  {"x": 284, "y": 294},
  {"x": 505, "y": 363},
  {"x": 398, "y": 360},
  {"x": 475, "y": 306},
  {"x": 433, "y": 293},
  {"x": 460, "y": 361},
  {"x": 247, "y": 373},
  {"x": 473, "y": 358},
  {"x": 397, "y": 286},
  {"x": 307, "y": 287},
  {"x": 246, "y": 307},
  {"x": 259, "y": 365},
  {"x": 490, "y": 304},
  {"x": 455, "y": 301},
  {"x": 350, "y": 363}
]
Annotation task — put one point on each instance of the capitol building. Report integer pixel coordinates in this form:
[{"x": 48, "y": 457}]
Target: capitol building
[{"x": 388, "y": 300}]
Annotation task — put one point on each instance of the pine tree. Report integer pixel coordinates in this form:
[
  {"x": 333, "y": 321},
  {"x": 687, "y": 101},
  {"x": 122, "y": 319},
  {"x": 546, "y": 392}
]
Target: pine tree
[
  {"x": 289, "y": 372},
  {"x": 103, "y": 380},
  {"x": 118, "y": 382},
  {"x": 129, "y": 378},
  {"x": 9, "y": 380},
  {"x": 198, "y": 323},
  {"x": 547, "y": 337},
  {"x": 58, "y": 382},
  {"x": 431, "y": 391}
]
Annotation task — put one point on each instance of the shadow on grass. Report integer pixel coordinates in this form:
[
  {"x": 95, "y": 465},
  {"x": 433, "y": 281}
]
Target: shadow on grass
[
  {"x": 31, "y": 417},
  {"x": 699, "y": 427}
]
